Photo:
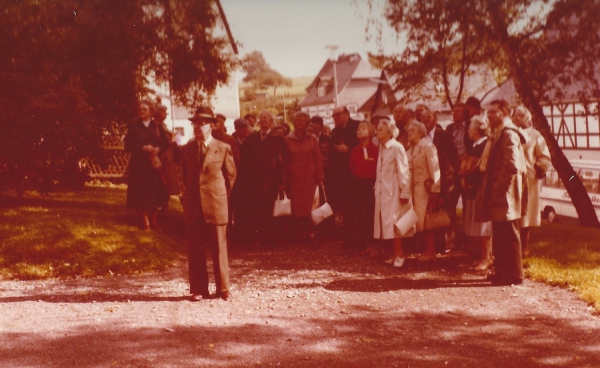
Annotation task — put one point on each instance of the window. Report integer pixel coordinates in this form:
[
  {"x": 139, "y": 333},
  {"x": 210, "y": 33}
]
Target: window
[
  {"x": 320, "y": 90},
  {"x": 589, "y": 177}
]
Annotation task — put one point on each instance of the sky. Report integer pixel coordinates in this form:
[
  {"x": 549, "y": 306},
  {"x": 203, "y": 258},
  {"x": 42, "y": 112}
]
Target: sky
[{"x": 292, "y": 35}]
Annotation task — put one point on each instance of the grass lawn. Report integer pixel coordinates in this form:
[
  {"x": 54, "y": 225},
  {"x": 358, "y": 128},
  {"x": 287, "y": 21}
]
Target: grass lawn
[
  {"x": 84, "y": 233},
  {"x": 567, "y": 255},
  {"x": 91, "y": 232}
]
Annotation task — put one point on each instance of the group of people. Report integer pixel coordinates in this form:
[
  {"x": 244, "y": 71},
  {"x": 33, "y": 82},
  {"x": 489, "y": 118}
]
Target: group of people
[{"x": 371, "y": 172}]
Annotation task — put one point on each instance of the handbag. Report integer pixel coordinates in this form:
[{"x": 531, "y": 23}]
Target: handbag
[
  {"x": 407, "y": 219},
  {"x": 436, "y": 220},
  {"x": 320, "y": 213},
  {"x": 435, "y": 216},
  {"x": 282, "y": 206}
]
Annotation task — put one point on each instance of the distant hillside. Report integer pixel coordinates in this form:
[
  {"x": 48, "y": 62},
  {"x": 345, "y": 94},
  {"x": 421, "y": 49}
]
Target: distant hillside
[
  {"x": 254, "y": 102},
  {"x": 298, "y": 88}
]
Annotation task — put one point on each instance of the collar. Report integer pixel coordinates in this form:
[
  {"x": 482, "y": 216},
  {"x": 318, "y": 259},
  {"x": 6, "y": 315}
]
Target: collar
[
  {"x": 146, "y": 123},
  {"x": 237, "y": 137},
  {"x": 265, "y": 135},
  {"x": 389, "y": 143},
  {"x": 423, "y": 142},
  {"x": 432, "y": 133},
  {"x": 206, "y": 142},
  {"x": 480, "y": 141}
]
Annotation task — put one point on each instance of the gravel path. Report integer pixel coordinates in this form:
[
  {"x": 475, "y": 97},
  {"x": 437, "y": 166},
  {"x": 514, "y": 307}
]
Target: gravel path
[{"x": 299, "y": 306}]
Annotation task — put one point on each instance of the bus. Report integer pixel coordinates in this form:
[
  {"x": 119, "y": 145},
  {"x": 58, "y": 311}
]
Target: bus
[{"x": 554, "y": 197}]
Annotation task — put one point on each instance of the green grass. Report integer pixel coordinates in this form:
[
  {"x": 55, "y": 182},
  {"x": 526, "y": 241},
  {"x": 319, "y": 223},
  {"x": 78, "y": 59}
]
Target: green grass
[
  {"x": 84, "y": 233},
  {"x": 90, "y": 232},
  {"x": 567, "y": 255}
]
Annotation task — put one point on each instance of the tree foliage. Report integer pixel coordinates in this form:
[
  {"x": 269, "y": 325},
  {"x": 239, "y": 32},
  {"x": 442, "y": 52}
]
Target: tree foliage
[
  {"x": 260, "y": 74},
  {"x": 544, "y": 47},
  {"x": 72, "y": 67},
  {"x": 442, "y": 49}
]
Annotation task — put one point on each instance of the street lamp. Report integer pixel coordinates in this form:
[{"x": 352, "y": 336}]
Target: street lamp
[{"x": 333, "y": 57}]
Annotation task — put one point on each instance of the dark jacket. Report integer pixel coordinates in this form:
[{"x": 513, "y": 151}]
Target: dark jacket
[
  {"x": 448, "y": 159},
  {"x": 145, "y": 189},
  {"x": 340, "y": 161},
  {"x": 468, "y": 142},
  {"x": 261, "y": 166},
  {"x": 501, "y": 195},
  {"x": 402, "y": 135}
]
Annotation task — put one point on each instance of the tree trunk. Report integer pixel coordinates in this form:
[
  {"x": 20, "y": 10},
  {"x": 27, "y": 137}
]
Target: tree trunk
[{"x": 579, "y": 197}]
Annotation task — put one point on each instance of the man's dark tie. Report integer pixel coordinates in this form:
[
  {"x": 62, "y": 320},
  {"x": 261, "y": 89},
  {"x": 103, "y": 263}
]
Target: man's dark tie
[{"x": 201, "y": 153}]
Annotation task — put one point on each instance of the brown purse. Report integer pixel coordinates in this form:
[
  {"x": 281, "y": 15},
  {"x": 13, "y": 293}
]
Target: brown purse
[
  {"x": 435, "y": 217},
  {"x": 436, "y": 220}
]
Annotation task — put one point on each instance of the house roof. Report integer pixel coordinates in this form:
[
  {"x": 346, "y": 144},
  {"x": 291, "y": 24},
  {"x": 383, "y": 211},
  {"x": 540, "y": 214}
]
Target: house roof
[
  {"x": 478, "y": 82},
  {"x": 568, "y": 93},
  {"x": 375, "y": 105},
  {"x": 226, "y": 25},
  {"x": 348, "y": 67}
]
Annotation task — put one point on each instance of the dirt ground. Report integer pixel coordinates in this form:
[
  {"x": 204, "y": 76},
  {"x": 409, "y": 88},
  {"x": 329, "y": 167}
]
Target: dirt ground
[{"x": 298, "y": 306}]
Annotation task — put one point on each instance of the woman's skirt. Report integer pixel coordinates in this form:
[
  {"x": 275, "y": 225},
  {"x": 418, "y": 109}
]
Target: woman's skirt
[{"x": 472, "y": 227}]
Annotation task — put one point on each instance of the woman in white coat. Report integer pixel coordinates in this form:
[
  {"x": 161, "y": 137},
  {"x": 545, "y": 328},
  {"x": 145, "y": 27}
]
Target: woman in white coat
[
  {"x": 392, "y": 187},
  {"x": 537, "y": 158}
]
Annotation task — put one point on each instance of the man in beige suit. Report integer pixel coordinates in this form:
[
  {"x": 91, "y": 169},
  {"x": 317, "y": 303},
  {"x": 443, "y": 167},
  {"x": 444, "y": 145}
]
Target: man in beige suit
[{"x": 208, "y": 171}]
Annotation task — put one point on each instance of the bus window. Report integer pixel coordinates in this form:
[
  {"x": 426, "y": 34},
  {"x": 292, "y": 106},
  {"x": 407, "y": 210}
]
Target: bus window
[{"x": 590, "y": 179}]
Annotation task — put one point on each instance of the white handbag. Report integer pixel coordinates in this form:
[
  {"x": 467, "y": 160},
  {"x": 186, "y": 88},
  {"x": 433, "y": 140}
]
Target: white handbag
[
  {"x": 320, "y": 213},
  {"x": 282, "y": 206},
  {"x": 406, "y": 220}
]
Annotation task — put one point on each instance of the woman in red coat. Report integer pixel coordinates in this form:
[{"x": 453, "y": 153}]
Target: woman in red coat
[
  {"x": 304, "y": 172},
  {"x": 363, "y": 165}
]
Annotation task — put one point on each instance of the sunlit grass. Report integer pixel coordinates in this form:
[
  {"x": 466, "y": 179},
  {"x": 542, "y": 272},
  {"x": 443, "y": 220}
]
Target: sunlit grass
[
  {"x": 83, "y": 233},
  {"x": 567, "y": 255}
]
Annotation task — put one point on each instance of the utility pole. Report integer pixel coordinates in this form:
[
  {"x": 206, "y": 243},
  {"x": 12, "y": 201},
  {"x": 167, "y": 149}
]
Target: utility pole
[
  {"x": 284, "y": 113},
  {"x": 333, "y": 57}
]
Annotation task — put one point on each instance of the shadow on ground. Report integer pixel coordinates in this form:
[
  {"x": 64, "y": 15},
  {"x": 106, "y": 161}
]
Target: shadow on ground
[{"x": 373, "y": 340}]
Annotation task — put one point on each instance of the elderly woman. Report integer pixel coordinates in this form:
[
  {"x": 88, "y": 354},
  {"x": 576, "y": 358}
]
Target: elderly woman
[
  {"x": 304, "y": 172},
  {"x": 537, "y": 159},
  {"x": 425, "y": 174},
  {"x": 392, "y": 188},
  {"x": 471, "y": 181},
  {"x": 363, "y": 165},
  {"x": 145, "y": 188}
]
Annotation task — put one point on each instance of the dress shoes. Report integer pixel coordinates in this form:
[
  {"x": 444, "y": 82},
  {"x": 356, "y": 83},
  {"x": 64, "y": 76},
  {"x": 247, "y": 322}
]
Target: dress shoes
[
  {"x": 399, "y": 262},
  {"x": 484, "y": 265},
  {"x": 196, "y": 298},
  {"x": 225, "y": 295},
  {"x": 199, "y": 297},
  {"x": 503, "y": 281}
]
